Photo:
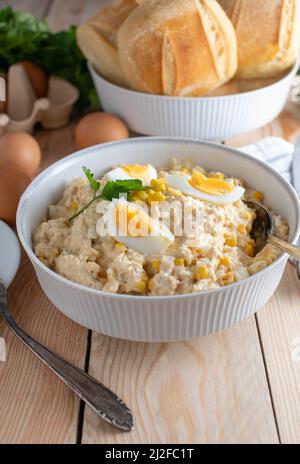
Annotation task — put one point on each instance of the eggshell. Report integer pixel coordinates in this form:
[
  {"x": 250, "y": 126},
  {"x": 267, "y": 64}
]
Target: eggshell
[
  {"x": 21, "y": 150},
  {"x": 98, "y": 128},
  {"x": 37, "y": 77},
  {"x": 13, "y": 182}
]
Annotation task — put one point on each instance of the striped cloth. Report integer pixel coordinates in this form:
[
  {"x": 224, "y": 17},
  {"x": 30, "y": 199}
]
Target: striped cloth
[{"x": 276, "y": 152}]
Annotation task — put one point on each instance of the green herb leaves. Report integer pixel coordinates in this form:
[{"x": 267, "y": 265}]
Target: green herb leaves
[
  {"x": 25, "y": 37},
  {"x": 94, "y": 184},
  {"x": 112, "y": 189}
]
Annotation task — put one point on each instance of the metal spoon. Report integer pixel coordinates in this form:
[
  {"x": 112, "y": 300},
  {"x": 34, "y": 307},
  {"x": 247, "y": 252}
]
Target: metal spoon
[
  {"x": 263, "y": 229},
  {"x": 102, "y": 400}
]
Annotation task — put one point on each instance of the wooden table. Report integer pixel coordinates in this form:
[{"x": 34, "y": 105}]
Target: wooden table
[{"x": 241, "y": 386}]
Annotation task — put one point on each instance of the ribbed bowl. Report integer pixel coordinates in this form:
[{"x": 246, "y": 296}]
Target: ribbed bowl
[
  {"x": 210, "y": 118},
  {"x": 166, "y": 318}
]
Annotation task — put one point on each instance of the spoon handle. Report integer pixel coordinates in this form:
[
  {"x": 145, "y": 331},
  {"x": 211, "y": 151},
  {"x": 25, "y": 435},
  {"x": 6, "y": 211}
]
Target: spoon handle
[
  {"x": 102, "y": 400},
  {"x": 292, "y": 250}
]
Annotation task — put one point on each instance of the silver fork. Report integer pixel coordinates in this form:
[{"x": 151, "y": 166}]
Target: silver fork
[{"x": 102, "y": 400}]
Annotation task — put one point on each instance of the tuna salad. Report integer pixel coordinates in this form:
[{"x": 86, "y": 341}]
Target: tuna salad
[{"x": 146, "y": 231}]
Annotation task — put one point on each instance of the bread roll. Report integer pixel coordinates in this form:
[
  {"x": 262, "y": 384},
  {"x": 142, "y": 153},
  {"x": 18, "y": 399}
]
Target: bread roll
[
  {"x": 268, "y": 35},
  {"x": 97, "y": 38},
  {"x": 177, "y": 47}
]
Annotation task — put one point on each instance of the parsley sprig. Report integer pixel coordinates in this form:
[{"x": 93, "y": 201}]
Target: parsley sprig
[{"x": 112, "y": 189}]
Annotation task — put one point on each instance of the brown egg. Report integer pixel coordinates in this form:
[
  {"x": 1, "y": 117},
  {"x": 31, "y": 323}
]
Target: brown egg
[
  {"x": 38, "y": 78},
  {"x": 13, "y": 182},
  {"x": 21, "y": 150},
  {"x": 99, "y": 128}
]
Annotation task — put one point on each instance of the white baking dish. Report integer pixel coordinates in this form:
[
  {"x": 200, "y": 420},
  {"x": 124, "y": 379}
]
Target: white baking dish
[
  {"x": 210, "y": 118},
  {"x": 157, "y": 318}
]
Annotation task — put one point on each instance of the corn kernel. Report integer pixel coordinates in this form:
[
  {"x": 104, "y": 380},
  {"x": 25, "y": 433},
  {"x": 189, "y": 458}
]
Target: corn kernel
[
  {"x": 142, "y": 196},
  {"x": 198, "y": 252},
  {"x": 156, "y": 265},
  {"x": 120, "y": 247},
  {"x": 249, "y": 249},
  {"x": 225, "y": 261},
  {"x": 141, "y": 286},
  {"x": 150, "y": 191},
  {"x": 242, "y": 229},
  {"x": 248, "y": 215},
  {"x": 154, "y": 182},
  {"x": 228, "y": 278},
  {"x": 201, "y": 273},
  {"x": 74, "y": 205},
  {"x": 258, "y": 196},
  {"x": 249, "y": 228},
  {"x": 179, "y": 262},
  {"x": 156, "y": 196},
  {"x": 158, "y": 184},
  {"x": 230, "y": 240}
]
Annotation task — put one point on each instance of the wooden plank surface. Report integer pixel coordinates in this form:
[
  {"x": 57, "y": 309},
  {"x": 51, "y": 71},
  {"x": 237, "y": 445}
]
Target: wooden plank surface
[
  {"x": 211, "y": 390},
  {"x": 279, "y": 321},
  {"x": 38, "y": 7},
  {"x": 279, "y": 326},
  {"x": 36, "y": 407},
  {"x": 219, "y": 389},
  {"x": 63, "y": 14},
  {"x": 285, "y": 126}
]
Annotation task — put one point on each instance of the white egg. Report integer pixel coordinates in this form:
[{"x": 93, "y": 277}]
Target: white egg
[
  {"x": 129, "y": 224},
  {"x": 133, "y": 171},
  {"x": 182, "y": 182}
]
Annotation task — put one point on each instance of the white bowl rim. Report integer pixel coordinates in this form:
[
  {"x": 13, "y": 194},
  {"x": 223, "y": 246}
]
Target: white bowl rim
[
  {"x": 80, "y": 153},
  {"x": 292, "y": 71}
]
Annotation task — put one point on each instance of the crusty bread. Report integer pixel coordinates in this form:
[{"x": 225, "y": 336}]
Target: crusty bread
[
  {"x": 97, "y": 38},
  {"x": 177, "y": 47},
  {"x": 268, "y": 35}
]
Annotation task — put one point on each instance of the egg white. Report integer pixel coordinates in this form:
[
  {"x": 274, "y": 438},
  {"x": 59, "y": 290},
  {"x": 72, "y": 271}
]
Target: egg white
[
  {"x": 181, "y": 182},
  {"x": 120, "y": 174},
  {"x": 157, "y": 243}
]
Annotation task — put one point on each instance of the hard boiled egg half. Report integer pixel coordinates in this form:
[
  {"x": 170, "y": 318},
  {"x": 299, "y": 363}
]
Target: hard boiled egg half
[
  {"x": 210, "y": 189},
  {"x": 133, "y": 171},
  {"x": 129, "y": 224}
]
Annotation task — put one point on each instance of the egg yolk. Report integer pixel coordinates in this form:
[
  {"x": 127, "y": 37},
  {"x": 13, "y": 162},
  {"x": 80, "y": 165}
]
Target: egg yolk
[
  {"x": 136, "y": 171},
  {"x": 210, "y": 185},
  {"x": 132, "y": 222}
]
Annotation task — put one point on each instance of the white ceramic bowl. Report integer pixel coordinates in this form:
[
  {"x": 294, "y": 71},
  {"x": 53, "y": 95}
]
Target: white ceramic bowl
[
  {"x": 156, "y": 318},
  {"x": 209, "y": 118}
]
